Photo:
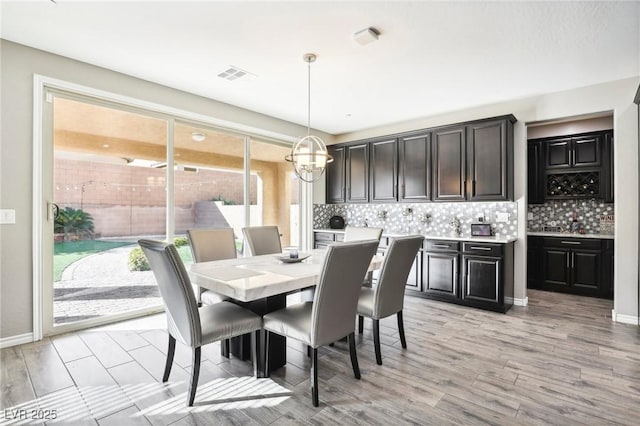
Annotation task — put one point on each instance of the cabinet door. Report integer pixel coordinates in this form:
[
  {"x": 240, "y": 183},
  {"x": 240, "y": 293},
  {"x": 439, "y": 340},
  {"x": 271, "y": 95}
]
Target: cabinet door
[
  {"x": 336, "y": 176},
  {"x": 586, "y": 151},
  {"x": 556, "y": 267},
  {"x": 357, "y": 173},
  {"x": 558, "y": 153},
  {"x": 606, "y": 177},
  {"x": 487, "y": 161},
  {"x": 449, "y": 164},
  {"x": 384, "y": 170},
  {"x": 481, "y": 279},
  {"x": 415, "y": 168},
  {"x": 585, "y": 271},
  {"x": 534, "y": 261},
  {"x": 440, "y": 274},
  {"x": 414, "y": 281},
  {"x": 535, "y": 173}
]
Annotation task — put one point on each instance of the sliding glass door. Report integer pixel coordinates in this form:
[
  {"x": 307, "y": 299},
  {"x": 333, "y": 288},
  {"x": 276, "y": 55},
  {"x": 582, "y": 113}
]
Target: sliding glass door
[{"x": 115, "y": 174}]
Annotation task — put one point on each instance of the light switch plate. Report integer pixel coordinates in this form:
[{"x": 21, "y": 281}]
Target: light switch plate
[
  {"x": 7, "y": 216},
  {"x": 502, "y": 217},
  {"x": 530, "y": 216}
]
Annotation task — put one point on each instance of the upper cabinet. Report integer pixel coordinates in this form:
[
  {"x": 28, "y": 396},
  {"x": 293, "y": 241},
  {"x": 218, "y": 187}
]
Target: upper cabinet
[
  {"x": 357, "y": 173},
  {"x": 383, "y": 186},
  {"x": 336, "y": 189},
  {"x": 415, "y": 167},
  {"x": 581, "y": 151},
  {"x": 490, "y": 161},
  {"x": 449, "y": 164},
  {"x": 575, "y": 166},
  {"x": 467, "y": 161}
]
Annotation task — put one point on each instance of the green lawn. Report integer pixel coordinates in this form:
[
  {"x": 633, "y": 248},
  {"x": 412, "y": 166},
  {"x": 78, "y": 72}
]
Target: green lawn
[{"x": 64, "y": 254}]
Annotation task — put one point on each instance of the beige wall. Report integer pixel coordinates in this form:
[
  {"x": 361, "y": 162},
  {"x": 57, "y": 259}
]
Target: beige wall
[
  {"x": 18, "y": 66},
  {"x": 617, "y": 97},
  {"x": 572, "y": 127}
]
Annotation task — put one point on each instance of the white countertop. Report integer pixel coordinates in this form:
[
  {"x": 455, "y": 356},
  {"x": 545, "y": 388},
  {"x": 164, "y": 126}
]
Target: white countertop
[
  {"x": 569, "y": 235},
  {"x": 498, "y": 240}
]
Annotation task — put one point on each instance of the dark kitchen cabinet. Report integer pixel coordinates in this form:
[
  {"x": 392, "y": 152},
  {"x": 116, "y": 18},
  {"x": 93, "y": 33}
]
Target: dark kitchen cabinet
[
  {"x": 383, "y": 170},
  {"x": 357, "y": 173},
  {"x": 336, "y": 180},
  {"x": 489, "y": 160},
  {"x": 449, "y": 164},
  {"x": 607, "y": 168},
  {"x": 440, "y": 274},
  {"x": 535, "y": 171},
  {"x": 414, "y": 279},
  {"x": 534, "y": 260},
  {"x": 575, "y": 265},
  {"x": 415, "y": 167},
  {"x": 576, "y": 151}
]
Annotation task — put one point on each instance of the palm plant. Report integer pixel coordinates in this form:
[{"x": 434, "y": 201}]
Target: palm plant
[{"x": 73, "y": 221}]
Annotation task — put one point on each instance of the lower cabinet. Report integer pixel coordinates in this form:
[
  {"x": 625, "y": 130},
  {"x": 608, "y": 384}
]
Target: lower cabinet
[
  {"x": 581, "y": 266},
  {"x": 463, "y": 272},
  {"x": 469, "y": 273}
]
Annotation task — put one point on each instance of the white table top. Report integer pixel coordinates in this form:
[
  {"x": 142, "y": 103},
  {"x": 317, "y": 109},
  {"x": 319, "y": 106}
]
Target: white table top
[{"x": 252, "y": 278}]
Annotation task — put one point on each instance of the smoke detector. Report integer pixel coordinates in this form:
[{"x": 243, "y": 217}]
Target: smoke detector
[{"x": 366, "y": 36}]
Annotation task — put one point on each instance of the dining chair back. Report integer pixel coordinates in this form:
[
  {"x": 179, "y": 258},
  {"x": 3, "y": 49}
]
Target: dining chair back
[
  {"x": 262, "y": 240},
  {"x": 188, "y": 324},
  {"x": 355, "y": 233},
  {"x": 212, "y": 244},
  {"x": 387, "y": 298},
  {"x": 330, "y": 316}
]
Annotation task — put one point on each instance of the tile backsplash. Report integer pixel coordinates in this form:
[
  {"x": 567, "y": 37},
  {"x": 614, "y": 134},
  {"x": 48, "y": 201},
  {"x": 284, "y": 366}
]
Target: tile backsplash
[
  {"x": 435, "y": 219},
  {"x": 560, "y": 213}
]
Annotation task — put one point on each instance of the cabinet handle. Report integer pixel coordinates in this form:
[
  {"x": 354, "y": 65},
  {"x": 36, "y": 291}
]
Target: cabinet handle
[
  {"x": 480, "y": 248},
  {"x": 473, "y": 188},
  {"x": 440, "y": 246},
  {"x": 568, "y": 261},
  {"x": 573, "y": 256},
  {"x": 404, "y": 192},
  {"x": 575, "y": 243}
]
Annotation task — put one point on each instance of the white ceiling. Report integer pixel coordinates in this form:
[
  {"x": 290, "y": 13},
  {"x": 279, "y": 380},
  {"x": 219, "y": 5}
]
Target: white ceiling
[{"x": 430, "y": 58}]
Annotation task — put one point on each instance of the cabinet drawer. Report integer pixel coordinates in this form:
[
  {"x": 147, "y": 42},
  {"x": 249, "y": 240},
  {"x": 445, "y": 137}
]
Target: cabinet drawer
[
  {"x": 339, "y": 237},
  {"x": 442, "y": 245},
  {"x": 324, "y": 236},
  {"x": 482, "y": 249},
  {"x": 582, "y": 243}
]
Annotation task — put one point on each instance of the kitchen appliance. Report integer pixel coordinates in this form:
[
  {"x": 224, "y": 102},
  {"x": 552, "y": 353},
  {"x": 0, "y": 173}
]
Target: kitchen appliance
[
  {"x": 336, "y": 222},
  {"x": 480, "y": 230}
]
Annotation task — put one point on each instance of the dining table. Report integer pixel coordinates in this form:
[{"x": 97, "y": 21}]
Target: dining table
[{"x": 261, "y": 284}]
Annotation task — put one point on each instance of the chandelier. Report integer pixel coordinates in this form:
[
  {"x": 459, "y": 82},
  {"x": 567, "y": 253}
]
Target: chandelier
[{"x": 309, "y": 155}]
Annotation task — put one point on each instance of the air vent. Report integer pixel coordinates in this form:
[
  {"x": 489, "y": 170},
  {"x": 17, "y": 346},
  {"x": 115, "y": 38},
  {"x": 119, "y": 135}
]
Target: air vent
[{"x": 234, "y": 73}]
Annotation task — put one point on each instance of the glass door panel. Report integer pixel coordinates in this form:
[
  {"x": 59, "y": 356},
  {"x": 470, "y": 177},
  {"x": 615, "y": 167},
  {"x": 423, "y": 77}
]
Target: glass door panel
[
  {"x": 277, "y": 191},
  {"x": 208, "y": 182},
  {"x": 109, "y": 183}
]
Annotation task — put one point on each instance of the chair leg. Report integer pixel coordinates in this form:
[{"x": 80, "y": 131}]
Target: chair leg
[
  {"x": 225, "y": 347},
  {"x": 360, "y": 324},
  {"x": 354, "y": 356},
  {"x": 314, "y": 377},
  {"x": 265, "y": 354},
  {"x": 401, "y": 330},
  {"x": 195, "y": 373},
  {"x": 376, "y": 340},
  {"x": 170, "y": 352},
  {"x": 308, "y": 351}
]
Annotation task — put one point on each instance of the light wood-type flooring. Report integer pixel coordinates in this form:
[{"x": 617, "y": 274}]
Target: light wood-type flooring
[{"x": 560, "y": 361}]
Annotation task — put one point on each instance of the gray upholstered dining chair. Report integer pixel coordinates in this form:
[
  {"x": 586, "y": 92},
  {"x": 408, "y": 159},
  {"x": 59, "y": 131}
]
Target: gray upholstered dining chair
[
  {"x": 188, "y": 324},
  {"x": 262, "y": 240},
  {"x": 211, "y": 244},
  {"x": 330, "y": 316},
  {"x": 387, "y": 298},
  {"x": 355, "y": 233}
]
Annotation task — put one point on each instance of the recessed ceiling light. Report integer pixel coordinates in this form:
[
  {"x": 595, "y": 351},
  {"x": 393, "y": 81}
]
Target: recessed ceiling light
[
  {"x": 198, "y": 137},
  {"x": 347, "y": 115},
  {"x": 366, "y": 36},
  {"x": 106, "y": 145}
]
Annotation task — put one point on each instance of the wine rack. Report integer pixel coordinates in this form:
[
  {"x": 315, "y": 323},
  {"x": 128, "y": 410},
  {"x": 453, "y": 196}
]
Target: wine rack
[{"x": 573, "y": 185}]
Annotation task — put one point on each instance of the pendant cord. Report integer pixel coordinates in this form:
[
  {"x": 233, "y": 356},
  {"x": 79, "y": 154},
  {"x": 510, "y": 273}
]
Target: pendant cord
[{"x": 308, "y": 97}]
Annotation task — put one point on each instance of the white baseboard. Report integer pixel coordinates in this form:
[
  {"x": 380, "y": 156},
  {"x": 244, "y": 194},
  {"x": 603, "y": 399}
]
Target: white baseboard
[
  {"x": 20, "y": 339},
  {"x": 517, "y": 302},
  {"x": 624, "y": 319}
]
